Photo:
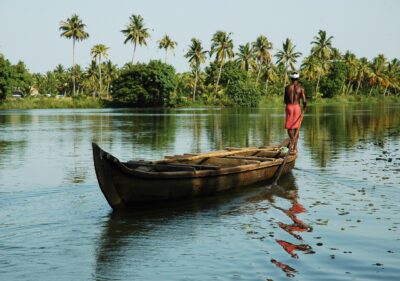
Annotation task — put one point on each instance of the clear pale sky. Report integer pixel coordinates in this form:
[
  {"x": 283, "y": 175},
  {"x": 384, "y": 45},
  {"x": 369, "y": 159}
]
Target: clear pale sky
[{"x": 29, "y": 28}]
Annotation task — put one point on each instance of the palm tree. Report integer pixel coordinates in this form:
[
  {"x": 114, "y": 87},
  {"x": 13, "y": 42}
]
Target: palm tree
[
  {"x": 336, "y": 55},
  {"x": 135, "y": 32},
  {"x": 270, "y": 74},
  {"x": 196, "y": 56},
  {"x": 79, "y": 75},
  {"x": 98, "y": 51},
  {"x": 287, "y": 57},
  {"x": 110, "y": 73},
  {"x": 246, "y": 56},
  {"x": 378, "y": 69},
  {"x": 167, "y": 43},
  {"x": 363, "y": 71},
  {"x": 222, "y": 47},
  {"x": 322, "y": 50},
  {"x": 73, "y": 28},
  {"x": 352, "y": 63},
  {"x": 393, "y": 73},
  {"x": 311, "y": 69},
  {"x": 59, "y": 69},
  {"x": 261, "y": 48},
  {"x": 62, "y": 77},
  {"x": 91, "y": 78}
]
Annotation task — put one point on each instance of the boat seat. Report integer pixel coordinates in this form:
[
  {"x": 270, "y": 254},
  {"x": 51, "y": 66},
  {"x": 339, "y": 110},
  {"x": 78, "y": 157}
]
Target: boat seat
[
  {"x": 184, "y": 167},
  {"x": 169, "y": 167},
  {"x": 228, "y": 162},
  {"x": 262, "y": 159},
  {"x": 270, "y": 154}
]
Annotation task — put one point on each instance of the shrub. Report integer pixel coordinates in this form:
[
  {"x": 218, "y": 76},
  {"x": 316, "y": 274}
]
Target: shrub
[
  {"x": 309, "y": 88},
  {"x": 145, "y": 84},
  {"x": 243, "y": 93},
  {"x": 333, "y": 84},
  {"x": 231, "y": 72}
]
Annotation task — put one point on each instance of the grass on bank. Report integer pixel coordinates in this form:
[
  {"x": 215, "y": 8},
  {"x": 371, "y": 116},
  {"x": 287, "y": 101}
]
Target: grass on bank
[
  {"x": 276, "y": 100},
  {"x": 45, "y": 103},
  {"x": 89, "y": 102}
]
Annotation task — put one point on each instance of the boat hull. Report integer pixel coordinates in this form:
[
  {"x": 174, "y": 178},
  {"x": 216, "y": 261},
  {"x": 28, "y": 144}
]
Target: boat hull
[{"x": 126, "y": 188}]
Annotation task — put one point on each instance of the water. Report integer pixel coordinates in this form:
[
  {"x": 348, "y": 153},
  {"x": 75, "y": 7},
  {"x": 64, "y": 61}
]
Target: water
[{"x": 335, "y": 217}]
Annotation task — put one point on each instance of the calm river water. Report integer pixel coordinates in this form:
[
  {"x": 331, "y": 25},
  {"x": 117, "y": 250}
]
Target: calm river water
[{"x": 335, "y": 217}]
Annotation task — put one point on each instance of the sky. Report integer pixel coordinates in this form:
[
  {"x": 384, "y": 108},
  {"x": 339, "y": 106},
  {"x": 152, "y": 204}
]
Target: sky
[{"x": 29, "y": 30}]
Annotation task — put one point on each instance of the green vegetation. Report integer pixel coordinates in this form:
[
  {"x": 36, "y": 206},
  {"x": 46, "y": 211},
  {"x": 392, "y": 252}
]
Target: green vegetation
[
  {"x": 45, "y": 102},
  {"x": 243, "y": 94},
  {"x": 242, "y": 78},
  {"x": 167, "y": 43},
  {"x": 145, "y": 84},
  {"x": 73, "y": 28},
  {"x": 136, "y": 33},
  {"x": 97, "y": 52}
]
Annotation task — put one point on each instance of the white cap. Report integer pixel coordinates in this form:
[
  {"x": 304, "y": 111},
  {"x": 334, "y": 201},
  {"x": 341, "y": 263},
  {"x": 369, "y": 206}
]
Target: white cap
[{"x": 294, "y": 75}]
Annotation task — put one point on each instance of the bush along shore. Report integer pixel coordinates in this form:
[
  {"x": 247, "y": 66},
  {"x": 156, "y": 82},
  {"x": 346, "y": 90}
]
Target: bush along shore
[
  {"x": 248, "y": 74},
  {"x": 46, "y": 102},
  {"x": 89, "y": 102}
]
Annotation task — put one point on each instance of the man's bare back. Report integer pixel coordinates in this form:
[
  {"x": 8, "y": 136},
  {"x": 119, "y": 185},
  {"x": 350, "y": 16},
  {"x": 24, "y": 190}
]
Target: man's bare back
[{"x": 294, "y": 93}]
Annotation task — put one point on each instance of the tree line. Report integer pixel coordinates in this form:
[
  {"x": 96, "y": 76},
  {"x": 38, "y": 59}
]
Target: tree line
[{"x": 232, "y": 77}]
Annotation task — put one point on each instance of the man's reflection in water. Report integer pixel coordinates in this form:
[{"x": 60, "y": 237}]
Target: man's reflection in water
[
  {"x": 290, "y": 248},
  {"x": 289, "y": 191},
  {"x": 290, "y": 271},
  {"x": 296, "y": 208}
]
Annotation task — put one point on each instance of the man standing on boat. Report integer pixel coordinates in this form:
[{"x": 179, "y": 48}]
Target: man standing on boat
[{"x": 294, "y": 93}]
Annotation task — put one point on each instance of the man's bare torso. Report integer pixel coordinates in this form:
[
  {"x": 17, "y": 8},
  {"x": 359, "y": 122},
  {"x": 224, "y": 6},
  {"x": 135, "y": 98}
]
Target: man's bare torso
[{"x": 294, "y": 93}]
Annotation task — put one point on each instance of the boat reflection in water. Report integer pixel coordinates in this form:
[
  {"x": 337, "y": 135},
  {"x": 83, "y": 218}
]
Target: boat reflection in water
[
  {"x": 131, "y": 243},
  {"x": 289, "y": 191}
]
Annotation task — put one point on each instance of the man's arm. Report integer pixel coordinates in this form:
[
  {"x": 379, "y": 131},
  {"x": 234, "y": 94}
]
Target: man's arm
[
  {"x": 303, "y": 98},
  {"x": 286, "y": 95}
]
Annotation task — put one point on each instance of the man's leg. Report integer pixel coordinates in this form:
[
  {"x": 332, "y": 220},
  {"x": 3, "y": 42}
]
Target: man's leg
[
  {"x": 291, "y": 133},
  {"x": 295, "y": 141}
]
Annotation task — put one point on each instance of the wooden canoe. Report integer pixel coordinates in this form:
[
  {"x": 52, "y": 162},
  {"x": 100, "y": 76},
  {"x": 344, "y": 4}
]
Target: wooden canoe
[{"x": 145, "y": 183}]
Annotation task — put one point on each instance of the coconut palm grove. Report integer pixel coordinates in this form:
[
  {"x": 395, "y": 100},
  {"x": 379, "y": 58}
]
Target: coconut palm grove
[{"x": 228, "y": 74}]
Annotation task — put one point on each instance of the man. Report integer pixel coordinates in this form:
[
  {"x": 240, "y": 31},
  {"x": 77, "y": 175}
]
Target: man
[{"x": 294, "y": 93}]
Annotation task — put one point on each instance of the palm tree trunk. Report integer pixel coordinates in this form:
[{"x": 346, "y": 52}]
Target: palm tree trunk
[
  {"x": 384, "y": 93},
  {"x": 134, "y": 50},
  {"x": 101, "y": 86},
  {"x": 73, "y": 65},
  {"x": 195, "y": 85},
  {"x": 317, "y": 87},
  {"x": 219, "y": 75},
  {"x": 258, "y": 75},
  {"x": 166, "y": 54},
  {"x": 285, "y": 78},
  {"x": 266, "y": 86},
  {"x": 348, "y": 87},
  {"x": 370, "y": 91},
  {"x": 358, "y": 86}
]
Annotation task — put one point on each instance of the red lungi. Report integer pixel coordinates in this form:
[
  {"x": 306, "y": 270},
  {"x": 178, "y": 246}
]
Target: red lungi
[{"x": 293, "y": 113}]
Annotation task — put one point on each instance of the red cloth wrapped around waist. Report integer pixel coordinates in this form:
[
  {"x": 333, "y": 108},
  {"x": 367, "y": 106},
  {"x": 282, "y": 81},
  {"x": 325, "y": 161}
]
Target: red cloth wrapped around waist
[{"x": 293, "y": 113}]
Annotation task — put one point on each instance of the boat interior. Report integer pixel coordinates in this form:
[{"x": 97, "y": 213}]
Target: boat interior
[{"x": 210, "y": 161}]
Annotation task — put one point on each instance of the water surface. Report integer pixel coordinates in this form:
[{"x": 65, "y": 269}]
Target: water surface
[{"x": 335, "y": 217}]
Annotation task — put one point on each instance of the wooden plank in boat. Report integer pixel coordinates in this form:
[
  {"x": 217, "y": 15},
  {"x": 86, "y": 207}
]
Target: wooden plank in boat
[
  {"x": 262, "y": 159},
  {"x": 270, "y": 154},
  {"x": 226, "y": 162},
  {"x": 210, "y": 154},
  {"x": 170, "y": 166}
]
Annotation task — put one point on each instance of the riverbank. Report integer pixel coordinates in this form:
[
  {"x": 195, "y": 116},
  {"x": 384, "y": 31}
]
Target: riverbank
[
  {"x": 89, "y": 102},
  {"x": 45, "y": 103},
  {"x": 276, "y": 100}
]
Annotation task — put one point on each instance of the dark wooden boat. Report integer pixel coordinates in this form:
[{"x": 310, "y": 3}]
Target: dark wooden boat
[{"x": 139, "y": 183}]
